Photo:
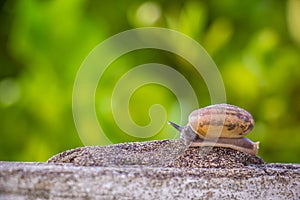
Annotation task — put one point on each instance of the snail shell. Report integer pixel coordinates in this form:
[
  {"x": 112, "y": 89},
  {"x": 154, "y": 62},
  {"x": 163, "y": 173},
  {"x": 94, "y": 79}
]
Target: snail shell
[
  {"x": 224, "y": 120},
  {"x": 220, "y": 125}
]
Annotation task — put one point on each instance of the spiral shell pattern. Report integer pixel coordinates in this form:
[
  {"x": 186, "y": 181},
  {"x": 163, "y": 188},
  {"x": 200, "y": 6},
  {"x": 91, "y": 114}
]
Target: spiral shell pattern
[{"x": 234, "y": 122}]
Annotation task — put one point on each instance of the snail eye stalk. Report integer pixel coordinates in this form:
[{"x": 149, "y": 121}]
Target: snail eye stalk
[{"x": 177, "y": 127}]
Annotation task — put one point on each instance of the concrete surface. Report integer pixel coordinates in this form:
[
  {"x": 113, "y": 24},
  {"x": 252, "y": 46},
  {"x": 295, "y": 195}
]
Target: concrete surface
[
  {"x": 49, "y": 181},
  {"x": 158, "y": 153},
  {"x": 150, "y": 170}
]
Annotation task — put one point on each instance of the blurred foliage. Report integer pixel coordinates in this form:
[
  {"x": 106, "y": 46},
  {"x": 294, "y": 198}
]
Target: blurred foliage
[{"x": 254, "y": 43}]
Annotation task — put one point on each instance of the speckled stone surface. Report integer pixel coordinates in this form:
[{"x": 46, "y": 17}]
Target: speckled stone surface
[
  {"x": 161, "y": 153},
  {"x": 150, "y": 170},
  {"x": 52, "y": 181}
]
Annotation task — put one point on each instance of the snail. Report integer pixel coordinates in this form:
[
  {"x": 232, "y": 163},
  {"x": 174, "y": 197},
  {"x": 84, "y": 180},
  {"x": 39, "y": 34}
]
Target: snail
[{"x": 220, "y": 125}]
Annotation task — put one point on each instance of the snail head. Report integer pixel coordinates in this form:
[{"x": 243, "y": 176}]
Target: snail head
[{"x": 186, "y": 133}]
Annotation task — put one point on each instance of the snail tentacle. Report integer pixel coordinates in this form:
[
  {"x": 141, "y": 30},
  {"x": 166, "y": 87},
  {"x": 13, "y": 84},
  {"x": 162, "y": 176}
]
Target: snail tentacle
[{"x": 186, "y": 133}]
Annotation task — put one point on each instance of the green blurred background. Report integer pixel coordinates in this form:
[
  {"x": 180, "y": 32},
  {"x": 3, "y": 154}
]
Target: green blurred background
[{"x": 254, "y": 43}]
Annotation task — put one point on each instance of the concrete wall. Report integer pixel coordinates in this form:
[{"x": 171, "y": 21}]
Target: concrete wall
[{"x": 66, "y": 181}]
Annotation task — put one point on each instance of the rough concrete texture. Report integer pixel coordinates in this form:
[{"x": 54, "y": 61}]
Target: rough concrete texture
[
  {"x": 161, "y": 153},
  {"x": 150, "y": 171},
  {"x": 49, "y": 181}
]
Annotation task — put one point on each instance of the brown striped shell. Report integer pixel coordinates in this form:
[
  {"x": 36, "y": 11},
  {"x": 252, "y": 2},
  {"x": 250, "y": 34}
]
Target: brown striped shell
[{"x": 222, "y": 120}]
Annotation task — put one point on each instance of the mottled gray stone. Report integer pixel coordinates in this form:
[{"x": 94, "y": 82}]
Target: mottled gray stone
[
  {"x": 150, "y": 171},
  {"x": 161, "y": 153},
  {"x": 49, "y": 181}
]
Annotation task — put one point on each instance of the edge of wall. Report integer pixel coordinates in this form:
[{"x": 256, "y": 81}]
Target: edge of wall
[{"x": 25, "y": 180}]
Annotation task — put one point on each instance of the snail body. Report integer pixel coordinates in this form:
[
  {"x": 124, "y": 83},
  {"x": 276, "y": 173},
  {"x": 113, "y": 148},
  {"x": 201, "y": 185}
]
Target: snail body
[{"x": 220, "y": 125}]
